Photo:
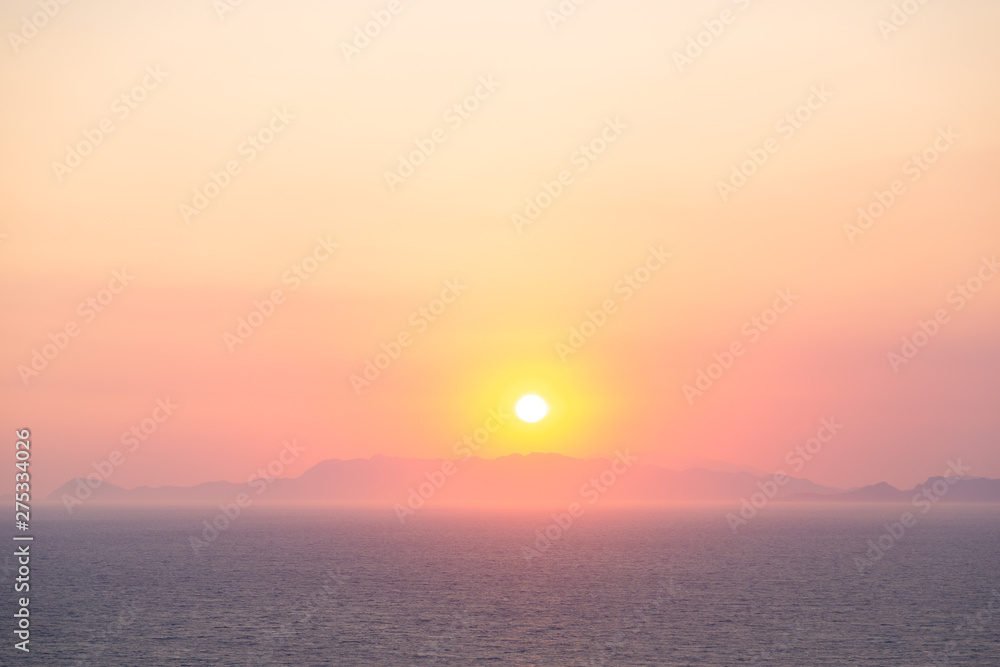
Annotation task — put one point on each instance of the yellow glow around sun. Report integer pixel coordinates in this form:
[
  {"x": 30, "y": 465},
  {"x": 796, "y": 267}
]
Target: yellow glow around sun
[
  {"x": 575, "y": 409},
  {"x": 531, "y": 408}
]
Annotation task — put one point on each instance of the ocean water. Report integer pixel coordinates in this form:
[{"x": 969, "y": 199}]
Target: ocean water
[{"x": 665, "y": 587}]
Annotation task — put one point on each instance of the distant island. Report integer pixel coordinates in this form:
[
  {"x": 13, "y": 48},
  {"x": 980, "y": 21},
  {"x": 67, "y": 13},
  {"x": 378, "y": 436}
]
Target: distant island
[{"x": 533, "y": 480}]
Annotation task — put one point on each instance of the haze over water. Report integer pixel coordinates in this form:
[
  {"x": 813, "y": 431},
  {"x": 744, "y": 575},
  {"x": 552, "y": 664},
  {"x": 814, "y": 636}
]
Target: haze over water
[{"x": 669, "y": 587}]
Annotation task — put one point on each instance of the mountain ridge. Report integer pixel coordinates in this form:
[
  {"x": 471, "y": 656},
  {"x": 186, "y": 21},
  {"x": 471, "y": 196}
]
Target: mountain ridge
[{"x": 532, "y": 479}]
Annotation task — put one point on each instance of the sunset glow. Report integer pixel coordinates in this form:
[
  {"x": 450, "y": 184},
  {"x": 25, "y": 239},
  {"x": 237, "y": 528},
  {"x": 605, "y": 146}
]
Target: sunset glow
[
  {"x": 370, "y": 247},
  {"x": 521, "y": 332}
]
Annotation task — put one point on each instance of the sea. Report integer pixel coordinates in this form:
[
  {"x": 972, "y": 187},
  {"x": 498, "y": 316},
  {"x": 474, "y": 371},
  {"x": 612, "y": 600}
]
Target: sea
[{"x": 803, "y": 586}]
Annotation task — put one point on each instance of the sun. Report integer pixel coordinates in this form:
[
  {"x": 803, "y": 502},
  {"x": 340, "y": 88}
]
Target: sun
[{"x": 531, "y": 408}]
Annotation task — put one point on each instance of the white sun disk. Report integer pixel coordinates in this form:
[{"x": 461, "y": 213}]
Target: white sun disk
[{"x": 531, "y": 408}]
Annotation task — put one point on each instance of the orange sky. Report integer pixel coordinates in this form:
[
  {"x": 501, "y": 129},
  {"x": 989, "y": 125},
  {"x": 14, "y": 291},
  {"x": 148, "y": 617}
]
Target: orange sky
[{"x": 299, "y": 137}]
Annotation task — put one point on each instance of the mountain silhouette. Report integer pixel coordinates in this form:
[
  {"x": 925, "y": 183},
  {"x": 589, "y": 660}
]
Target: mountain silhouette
[{"x": 510, "y": 481}]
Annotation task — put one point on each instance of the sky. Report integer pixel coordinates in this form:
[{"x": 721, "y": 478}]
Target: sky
[{"x": 697, "y": 229}]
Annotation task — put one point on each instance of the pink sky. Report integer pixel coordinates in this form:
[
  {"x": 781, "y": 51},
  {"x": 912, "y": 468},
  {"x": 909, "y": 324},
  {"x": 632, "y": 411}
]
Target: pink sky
[{"x": 199, "y": 87}]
